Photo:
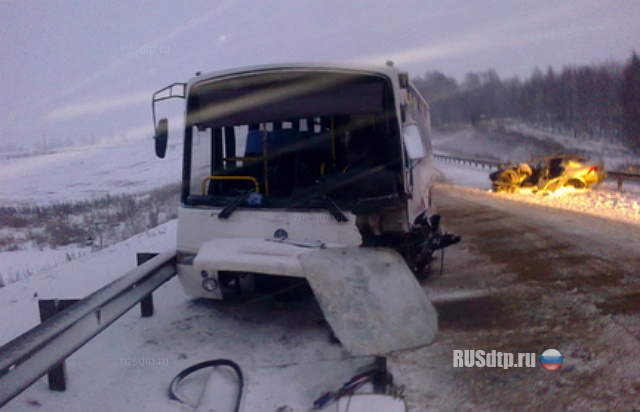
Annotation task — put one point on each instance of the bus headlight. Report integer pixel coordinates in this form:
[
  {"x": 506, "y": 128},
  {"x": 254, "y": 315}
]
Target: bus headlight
[{"x": 210, "y": 284}]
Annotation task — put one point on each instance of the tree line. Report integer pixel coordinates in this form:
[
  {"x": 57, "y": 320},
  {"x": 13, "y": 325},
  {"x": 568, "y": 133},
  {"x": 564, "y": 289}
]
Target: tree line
[{"x": 598, "y": 101}]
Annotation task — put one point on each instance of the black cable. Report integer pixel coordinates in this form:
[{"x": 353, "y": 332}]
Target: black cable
[
  {"x": 347, "y": 389},
  {"x": 173, "y": 387}
]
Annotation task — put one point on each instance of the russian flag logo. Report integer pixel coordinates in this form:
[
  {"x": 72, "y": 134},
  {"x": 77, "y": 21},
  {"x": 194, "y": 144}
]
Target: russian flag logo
[{"x": 551, "y": 359}]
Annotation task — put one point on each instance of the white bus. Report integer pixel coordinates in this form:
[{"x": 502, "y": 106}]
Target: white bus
[{"x": 283, "y": 160}]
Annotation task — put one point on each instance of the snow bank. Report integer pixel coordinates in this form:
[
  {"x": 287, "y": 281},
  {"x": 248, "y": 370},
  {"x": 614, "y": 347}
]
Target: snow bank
[{"x": 70, "y": 279}]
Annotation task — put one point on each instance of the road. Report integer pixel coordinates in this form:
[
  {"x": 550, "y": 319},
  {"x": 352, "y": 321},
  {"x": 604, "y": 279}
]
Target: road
[{"x": 528, "y": 278}]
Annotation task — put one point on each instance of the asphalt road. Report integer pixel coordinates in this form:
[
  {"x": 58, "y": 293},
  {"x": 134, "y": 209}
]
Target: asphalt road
[{"x": 525, "y": 279}]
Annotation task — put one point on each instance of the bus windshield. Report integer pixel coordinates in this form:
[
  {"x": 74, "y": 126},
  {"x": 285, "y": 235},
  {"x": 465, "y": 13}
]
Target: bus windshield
[{"x": 292, "y": 138}]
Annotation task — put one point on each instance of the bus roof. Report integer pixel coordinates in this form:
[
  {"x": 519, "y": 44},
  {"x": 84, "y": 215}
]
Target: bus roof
[{"x": 388, "y": 70}]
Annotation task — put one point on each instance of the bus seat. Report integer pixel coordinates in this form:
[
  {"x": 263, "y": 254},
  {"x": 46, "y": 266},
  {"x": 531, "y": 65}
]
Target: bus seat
[{"x": 253, "y": 146}]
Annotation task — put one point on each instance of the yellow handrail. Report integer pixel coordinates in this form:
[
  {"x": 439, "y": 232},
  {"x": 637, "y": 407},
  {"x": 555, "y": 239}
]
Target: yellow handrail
[
  {"x": 250, "y": 178},
  {"x": 264, "y": 160}
]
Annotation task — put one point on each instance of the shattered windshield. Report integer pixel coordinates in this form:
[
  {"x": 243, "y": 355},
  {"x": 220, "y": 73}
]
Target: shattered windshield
[{"x": 313, "y": 140}]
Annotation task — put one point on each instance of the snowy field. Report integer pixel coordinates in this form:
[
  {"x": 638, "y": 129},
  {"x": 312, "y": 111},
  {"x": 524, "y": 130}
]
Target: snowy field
[
  {"x": 74, "y": 175},
  {"x": 81, "y": 173},
  {"x": 149, "y": 352}
]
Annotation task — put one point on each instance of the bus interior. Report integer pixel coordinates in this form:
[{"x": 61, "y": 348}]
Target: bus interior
[{"x": 293, "y": 140}]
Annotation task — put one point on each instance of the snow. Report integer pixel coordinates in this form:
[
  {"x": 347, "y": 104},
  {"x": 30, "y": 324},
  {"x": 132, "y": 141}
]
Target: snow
[
  {"x": 283, "y": 348},
  {"x": 77, "y": 174},
  {"x": 22, "y": 264},
  {"x": 615, "y": 155},
  {"x": 82, "y": 173},
  {"x": 604, "y": 201},
  {"x": 73, "y": 279},
  {"x": 278, "y": 349},
  {"x": 492, "y": 143},
  {"x": 464, "y": 175}
]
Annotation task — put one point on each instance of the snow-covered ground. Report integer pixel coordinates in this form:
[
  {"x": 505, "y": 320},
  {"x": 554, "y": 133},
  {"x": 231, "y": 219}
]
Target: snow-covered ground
[
  {"x": 73, "y": 175},
  {"x": 285, "y": 353},
  {"x": 145, "y": 354},
  {"x": 82, "y": 173}
]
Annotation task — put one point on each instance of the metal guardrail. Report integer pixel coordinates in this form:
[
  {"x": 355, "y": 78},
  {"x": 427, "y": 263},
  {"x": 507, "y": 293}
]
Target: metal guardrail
[
  {"x": 31, "y": 355},
  {"x": 467, "y": 160},
  {"x": 619, "y": 176}
]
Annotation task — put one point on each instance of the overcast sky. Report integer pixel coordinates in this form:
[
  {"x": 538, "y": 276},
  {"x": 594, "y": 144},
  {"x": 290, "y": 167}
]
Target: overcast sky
[{"x": 73, "y": 69}]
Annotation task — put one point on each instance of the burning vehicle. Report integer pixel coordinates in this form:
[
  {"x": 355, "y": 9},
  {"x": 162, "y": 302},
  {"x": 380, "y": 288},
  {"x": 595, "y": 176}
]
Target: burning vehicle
[{"x": 548, "y": 174}]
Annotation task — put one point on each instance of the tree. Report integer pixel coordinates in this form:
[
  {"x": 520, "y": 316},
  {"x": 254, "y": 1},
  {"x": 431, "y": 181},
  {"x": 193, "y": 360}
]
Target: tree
[
  {"x": 630, "y": 102},
  {"x": 440, "y": 92},
  {"x": 590, "y": 101}
]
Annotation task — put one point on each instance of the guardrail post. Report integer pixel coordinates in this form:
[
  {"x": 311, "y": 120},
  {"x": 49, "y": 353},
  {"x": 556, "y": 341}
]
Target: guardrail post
[
  {"x": 57, "y": 376},
  {"x": 146, "y": 304},
  {"x": 619, "y": 182},
  {"x": 380, "y": 379}
]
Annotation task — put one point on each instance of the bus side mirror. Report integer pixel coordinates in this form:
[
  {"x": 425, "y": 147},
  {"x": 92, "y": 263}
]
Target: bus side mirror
[
  {"x": 413, "y": 142},
  {"x": 403, "y": 80},
  {"x": 161, "y": 137}
]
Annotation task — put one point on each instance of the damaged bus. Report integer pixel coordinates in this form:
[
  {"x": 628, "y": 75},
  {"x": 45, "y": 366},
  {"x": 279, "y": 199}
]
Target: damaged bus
[{"x": 321, "y": 172}]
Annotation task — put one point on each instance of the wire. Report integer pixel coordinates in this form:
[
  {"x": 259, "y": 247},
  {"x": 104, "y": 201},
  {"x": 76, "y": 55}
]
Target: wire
[
  {"x": 173, "y": 387},
  {"x": 347, "y": 389}
]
